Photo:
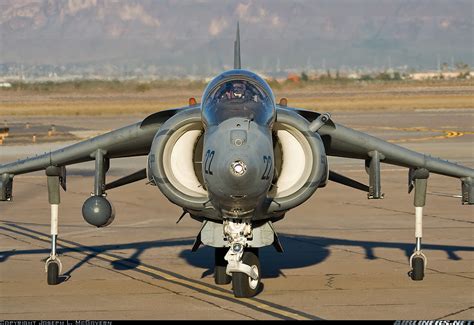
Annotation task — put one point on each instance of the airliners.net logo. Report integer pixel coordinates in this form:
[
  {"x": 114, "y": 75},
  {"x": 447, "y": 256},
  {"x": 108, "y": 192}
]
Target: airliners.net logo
[{"x": 434, "y": 322}]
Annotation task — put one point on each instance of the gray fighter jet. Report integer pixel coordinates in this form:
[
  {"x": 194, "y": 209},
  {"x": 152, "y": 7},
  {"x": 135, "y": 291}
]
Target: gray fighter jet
[{"x": 237, "y": 162}]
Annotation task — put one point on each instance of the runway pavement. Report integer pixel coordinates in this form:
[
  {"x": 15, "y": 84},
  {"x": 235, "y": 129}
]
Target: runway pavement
[{"x": 345, "y": 257}]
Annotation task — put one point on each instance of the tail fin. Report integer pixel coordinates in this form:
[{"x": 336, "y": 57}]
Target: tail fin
[{"x": 237, "y": 64}]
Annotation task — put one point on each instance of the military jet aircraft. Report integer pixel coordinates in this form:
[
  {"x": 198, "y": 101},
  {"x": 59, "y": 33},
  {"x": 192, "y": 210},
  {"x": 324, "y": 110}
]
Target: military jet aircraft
[{"x": 236, "y": 162}]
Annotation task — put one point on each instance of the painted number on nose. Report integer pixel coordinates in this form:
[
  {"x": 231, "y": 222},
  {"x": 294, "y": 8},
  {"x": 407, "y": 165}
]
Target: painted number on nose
[
  {"x": 208, "y": 162},
  {"x": 267, "y": 160}
]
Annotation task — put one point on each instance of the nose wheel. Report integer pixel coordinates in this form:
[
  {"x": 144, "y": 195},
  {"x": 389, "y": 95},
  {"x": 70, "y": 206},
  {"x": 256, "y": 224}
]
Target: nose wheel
[
  {"x": 220, "y": 275},
  {"x": 243, "y": 264},
  {"x": 245, "y": 285}
]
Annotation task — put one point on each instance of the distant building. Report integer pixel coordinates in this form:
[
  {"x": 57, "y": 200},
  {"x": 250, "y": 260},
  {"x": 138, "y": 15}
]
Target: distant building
[
  {"x": 437, "y": 75},
  {"x": 354, "y": 75},
  {"x": 293, "y": 77},
  {"x": 4, "y": 84}
]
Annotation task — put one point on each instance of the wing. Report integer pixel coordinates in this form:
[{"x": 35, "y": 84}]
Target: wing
[
  {"x": 345, "y": 142},
  {"x": 131, "y": 140}
]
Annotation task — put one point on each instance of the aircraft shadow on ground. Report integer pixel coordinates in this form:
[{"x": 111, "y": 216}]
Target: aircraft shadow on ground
[
  {"x": 300, "y": 251},
  {"x": 90, "y": 172}
]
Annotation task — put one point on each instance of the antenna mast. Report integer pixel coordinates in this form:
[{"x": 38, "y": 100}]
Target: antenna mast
[{"x": 237, "y": 64}]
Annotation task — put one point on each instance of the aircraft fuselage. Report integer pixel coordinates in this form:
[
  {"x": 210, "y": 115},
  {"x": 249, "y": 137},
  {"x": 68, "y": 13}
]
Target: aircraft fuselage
[{"x": 238, "y": 161}]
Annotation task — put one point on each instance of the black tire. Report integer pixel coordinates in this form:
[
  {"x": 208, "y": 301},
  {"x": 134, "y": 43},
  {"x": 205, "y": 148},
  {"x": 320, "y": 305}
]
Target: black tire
[
  {"x": 53, "y": 273},
  {"x": 418, "y": 271},
  {"x": 243, "y": 285},
  {"x": 220, "y": 275}
]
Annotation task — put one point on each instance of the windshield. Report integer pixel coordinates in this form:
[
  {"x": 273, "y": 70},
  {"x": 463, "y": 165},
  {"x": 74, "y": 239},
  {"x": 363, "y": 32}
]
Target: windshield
[{"x": 238, "y": 98}]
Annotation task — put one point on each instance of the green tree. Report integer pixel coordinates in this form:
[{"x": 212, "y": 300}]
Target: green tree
[
  {"x": 304, "y": 77},
  {"x": 462, "y": 66}
]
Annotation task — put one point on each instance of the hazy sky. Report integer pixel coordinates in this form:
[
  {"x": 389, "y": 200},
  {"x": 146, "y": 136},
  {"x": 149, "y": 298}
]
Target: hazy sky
[{"x": 275, "y": 33}]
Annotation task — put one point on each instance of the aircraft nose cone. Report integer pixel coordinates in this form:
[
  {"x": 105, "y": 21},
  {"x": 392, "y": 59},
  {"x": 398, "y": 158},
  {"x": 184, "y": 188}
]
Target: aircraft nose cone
[
  {"x": 239, "y": 175},
  {"x": 237, "y": 165},
  {"x": 238, "y": 168}
]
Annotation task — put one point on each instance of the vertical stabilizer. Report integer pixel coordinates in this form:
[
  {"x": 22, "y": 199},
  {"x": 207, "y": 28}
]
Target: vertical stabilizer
[{"x": 237, "y": 64}]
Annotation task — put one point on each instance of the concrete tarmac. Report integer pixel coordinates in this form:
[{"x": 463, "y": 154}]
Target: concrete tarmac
[{"x": 345, "y": 257}]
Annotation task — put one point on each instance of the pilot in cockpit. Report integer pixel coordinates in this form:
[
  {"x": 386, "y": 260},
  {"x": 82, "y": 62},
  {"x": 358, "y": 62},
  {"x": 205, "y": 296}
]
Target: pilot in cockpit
[
  {"x": 238, "y": 98},
  {"x": 237, "y": 90}
]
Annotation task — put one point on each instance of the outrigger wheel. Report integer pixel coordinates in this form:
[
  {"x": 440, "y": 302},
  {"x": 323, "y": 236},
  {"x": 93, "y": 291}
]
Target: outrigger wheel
[
  {"x": 418, "y": 268},
  {"x": 244, "y": 286},
  {"x": 53, "y": 268}
]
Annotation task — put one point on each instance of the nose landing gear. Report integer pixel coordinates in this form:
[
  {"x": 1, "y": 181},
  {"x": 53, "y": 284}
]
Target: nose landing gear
[
  {"x": 247, "y": 285},
  {"x": 220, "y": 275},
  {"x": 240, "y": 264}
]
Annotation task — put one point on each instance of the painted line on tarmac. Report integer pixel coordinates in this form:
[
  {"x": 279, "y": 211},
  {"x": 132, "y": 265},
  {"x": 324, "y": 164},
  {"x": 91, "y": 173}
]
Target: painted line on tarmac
[
  {"x": 445, "y": 134},
  {"x": 256, "y": 304}
]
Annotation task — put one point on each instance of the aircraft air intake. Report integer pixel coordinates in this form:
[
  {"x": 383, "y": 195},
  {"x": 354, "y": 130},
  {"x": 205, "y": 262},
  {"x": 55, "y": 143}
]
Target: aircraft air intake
[
  {"x": 300, "y": 162},
  {"x": 174, "y": 162}
]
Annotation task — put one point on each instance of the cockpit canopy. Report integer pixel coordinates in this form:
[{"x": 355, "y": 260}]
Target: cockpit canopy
[{"x": 238, "y": 93}]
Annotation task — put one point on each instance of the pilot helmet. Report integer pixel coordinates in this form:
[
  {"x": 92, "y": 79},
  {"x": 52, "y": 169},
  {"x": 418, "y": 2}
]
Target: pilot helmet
[{"x": 238, "y": 89}]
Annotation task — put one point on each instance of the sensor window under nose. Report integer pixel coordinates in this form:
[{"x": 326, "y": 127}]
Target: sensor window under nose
[
  {"x": 238, "y": 137},
  {"x": 238, "y": 168}
]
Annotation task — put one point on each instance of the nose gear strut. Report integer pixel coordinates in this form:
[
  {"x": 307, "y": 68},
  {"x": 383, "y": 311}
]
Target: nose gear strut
[{"x": 243, "y": 264}]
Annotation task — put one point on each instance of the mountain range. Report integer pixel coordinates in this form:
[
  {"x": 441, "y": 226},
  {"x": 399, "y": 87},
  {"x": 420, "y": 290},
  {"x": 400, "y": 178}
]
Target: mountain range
[{"x": 276, "y": 34}]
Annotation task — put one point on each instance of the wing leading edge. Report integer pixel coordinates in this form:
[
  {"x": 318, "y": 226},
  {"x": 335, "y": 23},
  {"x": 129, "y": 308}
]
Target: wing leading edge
[
  {"x": 345, "y": 142},
  {"x": 129, "y": 141}
]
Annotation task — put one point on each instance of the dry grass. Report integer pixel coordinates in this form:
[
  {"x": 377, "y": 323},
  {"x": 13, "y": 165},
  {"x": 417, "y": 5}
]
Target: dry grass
[
  {"x": 385, "y": 103},
  {"x": 65, "y": 107},
  {"x": 322, "y": 97}
]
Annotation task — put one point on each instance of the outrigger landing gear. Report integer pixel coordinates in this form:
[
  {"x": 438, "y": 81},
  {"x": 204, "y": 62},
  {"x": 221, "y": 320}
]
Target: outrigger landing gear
[
  {"x": 53, "y": 265},
  {"x": 418, "y": 261},
  {"x": 243, "y": 263},
  {"x": 53, "y": 268}
]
